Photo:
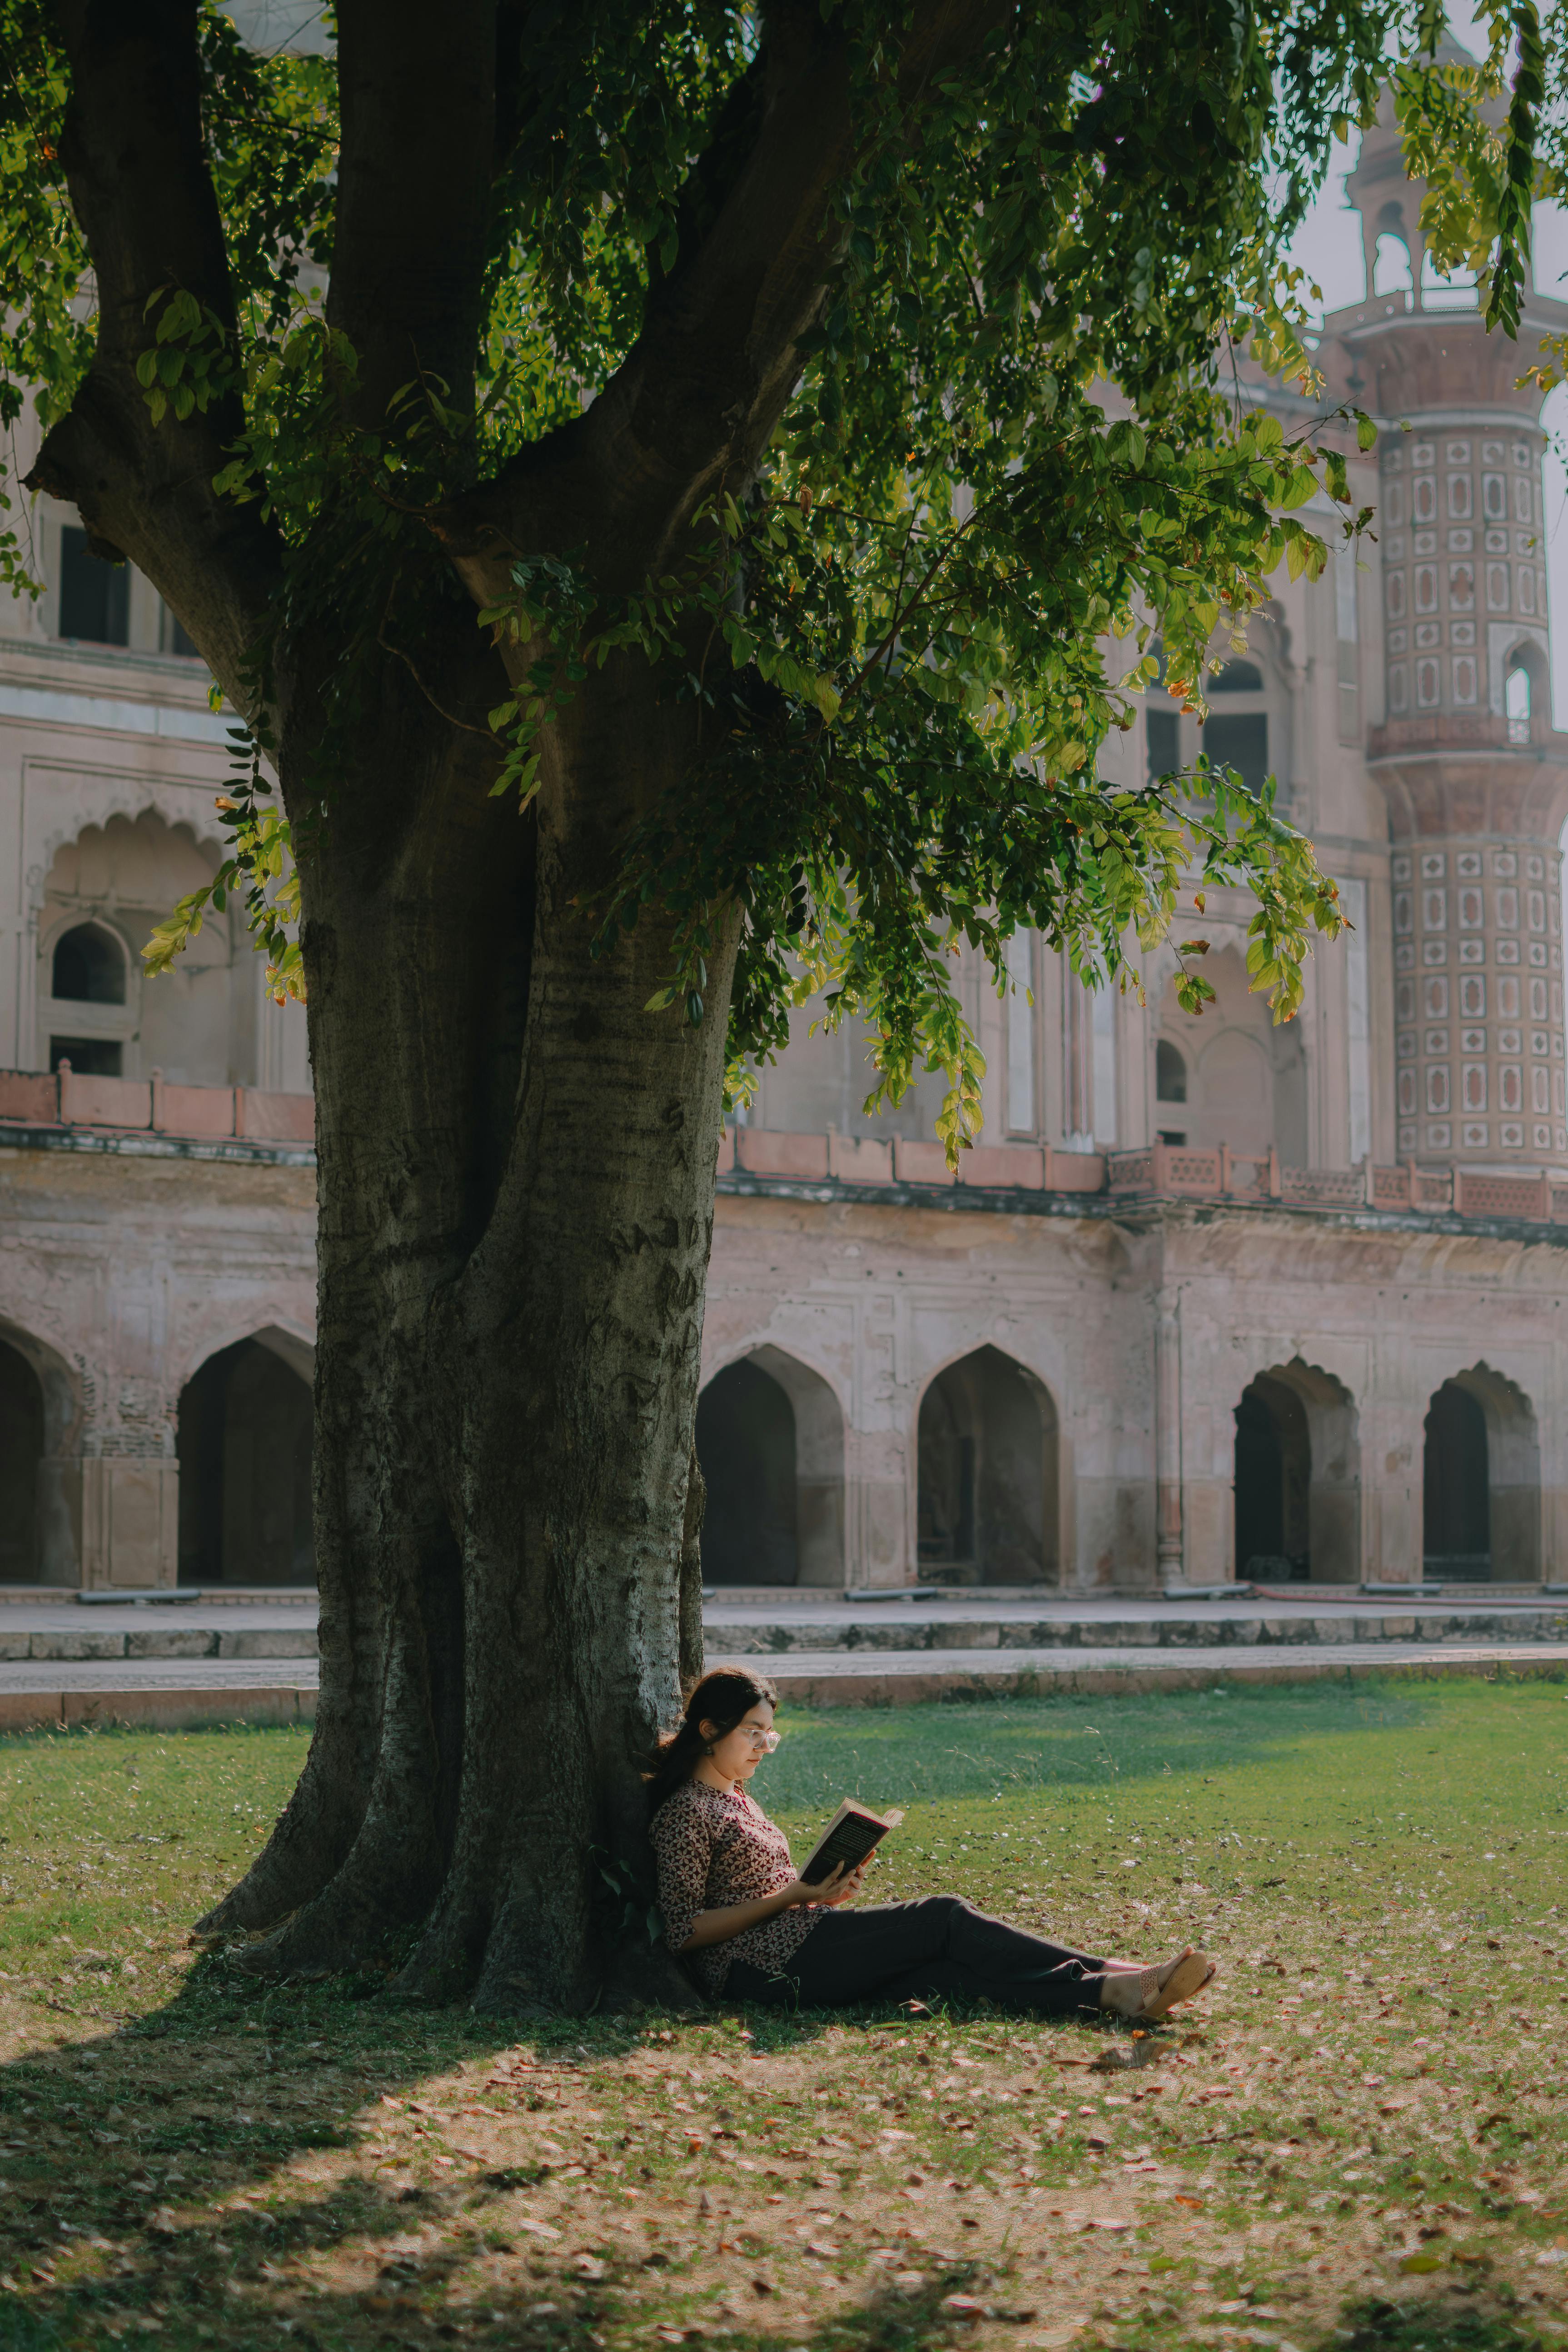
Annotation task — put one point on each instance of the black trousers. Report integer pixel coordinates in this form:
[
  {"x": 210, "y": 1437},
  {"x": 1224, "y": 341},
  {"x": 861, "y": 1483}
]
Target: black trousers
[{"x": 933, "y": 1949}]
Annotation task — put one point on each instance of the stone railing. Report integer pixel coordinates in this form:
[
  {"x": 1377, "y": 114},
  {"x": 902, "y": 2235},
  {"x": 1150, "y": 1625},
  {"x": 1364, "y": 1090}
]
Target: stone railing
[
  {"x": 65, "y": 1098},
  {"x": 866, "y": 1160},
  {"x": 1166, "y": 1172}
]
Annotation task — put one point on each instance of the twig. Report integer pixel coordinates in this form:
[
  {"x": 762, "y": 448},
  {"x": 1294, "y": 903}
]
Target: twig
[{"x": 449, "y": 715}]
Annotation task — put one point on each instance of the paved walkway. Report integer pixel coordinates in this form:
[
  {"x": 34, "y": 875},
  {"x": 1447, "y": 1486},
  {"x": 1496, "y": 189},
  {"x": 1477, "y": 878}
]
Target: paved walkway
[{"x": 168, "y": 1694}]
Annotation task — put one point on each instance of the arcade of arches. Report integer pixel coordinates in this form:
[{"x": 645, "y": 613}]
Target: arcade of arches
[{"x": 770, "y": 1440}]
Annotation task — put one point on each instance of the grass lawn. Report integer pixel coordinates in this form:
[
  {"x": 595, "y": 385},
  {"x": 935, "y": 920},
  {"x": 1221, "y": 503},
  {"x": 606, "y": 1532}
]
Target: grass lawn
[{"x": 1357, "y": 2139}]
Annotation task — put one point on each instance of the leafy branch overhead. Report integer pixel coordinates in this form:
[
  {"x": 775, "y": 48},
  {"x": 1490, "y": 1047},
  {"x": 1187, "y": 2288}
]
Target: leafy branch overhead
[{"x": 861, "y": 374}]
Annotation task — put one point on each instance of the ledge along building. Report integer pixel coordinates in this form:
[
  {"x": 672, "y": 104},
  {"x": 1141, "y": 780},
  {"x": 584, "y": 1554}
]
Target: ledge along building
[{"x": 1210, "y": 1299}]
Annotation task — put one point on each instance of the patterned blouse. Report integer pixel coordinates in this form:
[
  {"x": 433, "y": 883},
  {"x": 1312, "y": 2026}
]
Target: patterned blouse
[{"x": 714, "y": 1846}]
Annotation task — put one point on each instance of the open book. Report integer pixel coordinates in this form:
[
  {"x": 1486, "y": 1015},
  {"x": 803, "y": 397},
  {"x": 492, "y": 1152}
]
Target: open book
[{"x": 853, "y": 1831}]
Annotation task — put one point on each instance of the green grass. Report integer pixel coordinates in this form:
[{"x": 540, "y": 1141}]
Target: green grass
[{"x": 1356, "y": 2140}]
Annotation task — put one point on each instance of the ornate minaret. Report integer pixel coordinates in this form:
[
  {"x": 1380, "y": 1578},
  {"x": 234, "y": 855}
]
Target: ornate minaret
[{"x": 1473, "y": 776}]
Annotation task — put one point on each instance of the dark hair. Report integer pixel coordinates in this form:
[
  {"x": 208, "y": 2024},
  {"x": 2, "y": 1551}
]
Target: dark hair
[{"x": 722, "y": 1698}]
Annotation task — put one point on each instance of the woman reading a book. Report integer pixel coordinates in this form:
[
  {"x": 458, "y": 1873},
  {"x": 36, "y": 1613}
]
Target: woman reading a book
[{"x": 749, "y": 1928}]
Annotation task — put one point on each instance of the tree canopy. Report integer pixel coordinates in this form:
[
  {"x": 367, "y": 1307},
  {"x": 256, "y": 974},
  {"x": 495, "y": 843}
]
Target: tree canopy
[
  {"x": 904, "y": 551},
  {"x": 681, "y": 496}
]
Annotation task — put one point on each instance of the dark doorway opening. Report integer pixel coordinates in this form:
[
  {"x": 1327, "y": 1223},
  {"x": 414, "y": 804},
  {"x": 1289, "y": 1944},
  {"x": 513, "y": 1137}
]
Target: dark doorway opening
[
  {"x": 87, "y": 967},
  {"x": 986, "y": 1483},
  {"x": 243, "y": 1441},
  {"x": 21, "y": 1453},
  {"x": 89, "y": 1057},
  {"x": 1273, "y": 1482},
  {"x": 1456, "y": 1488},
  {"x": 746, "y": 1448}
]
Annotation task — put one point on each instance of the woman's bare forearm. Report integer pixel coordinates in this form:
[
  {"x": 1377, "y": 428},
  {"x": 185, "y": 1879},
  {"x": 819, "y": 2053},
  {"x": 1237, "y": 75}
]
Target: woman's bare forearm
[{"x": 717, "y": 1926}]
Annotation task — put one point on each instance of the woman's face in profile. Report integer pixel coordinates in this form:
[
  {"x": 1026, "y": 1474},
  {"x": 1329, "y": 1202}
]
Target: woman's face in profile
[{"x": 737, "y": 1756}]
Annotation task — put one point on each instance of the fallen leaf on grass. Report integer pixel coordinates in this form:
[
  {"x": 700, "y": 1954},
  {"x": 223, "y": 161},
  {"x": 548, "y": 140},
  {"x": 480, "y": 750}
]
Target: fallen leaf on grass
[{"x": 1416, "y": 2266}]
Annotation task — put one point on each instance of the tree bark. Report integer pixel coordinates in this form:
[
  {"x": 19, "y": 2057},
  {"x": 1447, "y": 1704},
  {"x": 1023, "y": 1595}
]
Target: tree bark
[
  {"x": 517, "y": 1165},
  {"x": 691, "y": 1578}
]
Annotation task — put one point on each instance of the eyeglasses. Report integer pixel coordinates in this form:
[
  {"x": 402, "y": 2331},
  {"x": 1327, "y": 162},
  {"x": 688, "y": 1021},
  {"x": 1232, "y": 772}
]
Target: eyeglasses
[{"x": 767, "y": 1740}]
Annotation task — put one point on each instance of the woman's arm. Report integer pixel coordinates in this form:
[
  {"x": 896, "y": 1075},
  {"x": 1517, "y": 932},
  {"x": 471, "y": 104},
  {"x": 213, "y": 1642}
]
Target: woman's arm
[{"x": 717, "y": 1926}]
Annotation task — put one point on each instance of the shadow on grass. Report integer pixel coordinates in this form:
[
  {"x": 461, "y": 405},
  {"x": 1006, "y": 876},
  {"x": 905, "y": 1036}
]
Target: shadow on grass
[
  {"x": 1438, "y": 2323},
  {"x": 106, "y": 2145}
]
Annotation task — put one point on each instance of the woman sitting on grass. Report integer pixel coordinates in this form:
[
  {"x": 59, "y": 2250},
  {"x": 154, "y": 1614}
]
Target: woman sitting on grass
[{"x": 752, "y": 1929}]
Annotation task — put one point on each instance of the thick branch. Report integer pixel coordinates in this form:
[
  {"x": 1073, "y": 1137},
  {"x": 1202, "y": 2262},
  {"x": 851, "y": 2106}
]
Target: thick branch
[
  {"x": 141, "y": 192},
  {"x": 697, "y": 399},
  {"x": 418, "y": 139}
]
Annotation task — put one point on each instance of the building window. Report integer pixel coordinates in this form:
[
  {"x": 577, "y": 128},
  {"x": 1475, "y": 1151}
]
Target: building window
[
  {"x": 1391, "y": 270},
  {"x": 1516, "y": 703},
  {"x": 1021, "y": 1033},
  {"x": 175, "y": 640},
  {"x": 1169, "y": 1073},
  {"x": 88, "y": 967},
  {"x": 1237, "y": 677},
  {"x": 1239, "y": 741},
  {"x": 1163, "y": 738},
  {"x": 89, "y": 1057},
  {"x": 95, "y": 596}
]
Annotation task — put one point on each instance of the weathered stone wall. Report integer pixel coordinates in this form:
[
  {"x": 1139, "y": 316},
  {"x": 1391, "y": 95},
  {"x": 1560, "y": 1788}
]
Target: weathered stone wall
[
  {"x": 1367, "y": 1316},
  {"x": 120, "y": 1273}
]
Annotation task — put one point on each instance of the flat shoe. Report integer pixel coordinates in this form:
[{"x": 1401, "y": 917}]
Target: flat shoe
[{"x": 1184, "y": 1978}]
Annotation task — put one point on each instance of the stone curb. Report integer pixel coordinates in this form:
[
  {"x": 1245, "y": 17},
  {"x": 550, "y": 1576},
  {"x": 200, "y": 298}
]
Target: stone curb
[
  {"x": 784, "y": 1639},
  {"x": 152, "y": 1710},
  {"x": 91, "y": 1647},
  {"x": 907, "y": 1686}
]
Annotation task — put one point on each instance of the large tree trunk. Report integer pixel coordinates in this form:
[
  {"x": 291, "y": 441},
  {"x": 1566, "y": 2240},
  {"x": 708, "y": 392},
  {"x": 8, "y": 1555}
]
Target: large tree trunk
[{"x": 517, "y": 1165}]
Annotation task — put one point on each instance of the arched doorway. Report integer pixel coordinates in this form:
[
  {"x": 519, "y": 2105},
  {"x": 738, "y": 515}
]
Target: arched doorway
[
  {"x": 1481, "y": 1482},
  {"x": 1297, "y": 1478},
  {"x": 986, "y": 1501},
  {"x": 746, "y": 1449},
  {"x": 770, "y": 1443},
  {"x": 244, "y": 1442},
  {"x": 21, "y": 1458}
]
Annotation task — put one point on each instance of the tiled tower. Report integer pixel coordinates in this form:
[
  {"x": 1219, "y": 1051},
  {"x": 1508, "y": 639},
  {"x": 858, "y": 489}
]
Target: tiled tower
[{"x": 1473, "y": 776}]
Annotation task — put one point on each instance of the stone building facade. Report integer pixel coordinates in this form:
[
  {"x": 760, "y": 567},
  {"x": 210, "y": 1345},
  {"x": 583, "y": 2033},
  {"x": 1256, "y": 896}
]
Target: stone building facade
[{"x": 1209, "y": 1298}]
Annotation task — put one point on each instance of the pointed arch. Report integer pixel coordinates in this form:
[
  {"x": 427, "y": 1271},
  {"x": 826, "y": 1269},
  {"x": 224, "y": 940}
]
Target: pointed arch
[
  {"x": 770, "y": 1442},
  {"x": 988, "y": 1473},
  {"x": 1481, "y": 1481},
  {"x": 41, "y": 1421},
  {"x": 1297, "y": 1488},
  {"x": 245, "y": 1440}
]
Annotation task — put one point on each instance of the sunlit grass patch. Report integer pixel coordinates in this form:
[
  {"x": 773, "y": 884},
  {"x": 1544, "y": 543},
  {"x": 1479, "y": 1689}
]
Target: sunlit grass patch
[{"x": 1355, "y": 2141}]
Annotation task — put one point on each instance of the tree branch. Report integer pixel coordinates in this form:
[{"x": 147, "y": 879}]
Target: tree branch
[
  {"x": 417, "y": 112},
  {"x": 139, "y": 187},
  {"x": 694, "y": 403}
]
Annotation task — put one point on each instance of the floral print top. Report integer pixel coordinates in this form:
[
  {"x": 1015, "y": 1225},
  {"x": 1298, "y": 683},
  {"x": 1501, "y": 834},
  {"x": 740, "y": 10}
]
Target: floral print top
[{"x": 714, "y": 1846}]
